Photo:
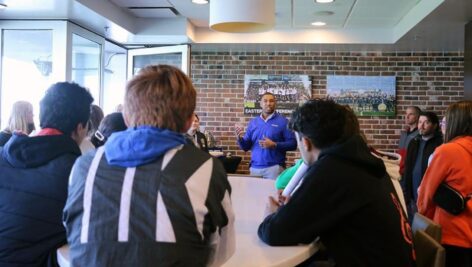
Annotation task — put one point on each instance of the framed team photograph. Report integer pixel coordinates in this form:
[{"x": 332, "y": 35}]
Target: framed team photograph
[
  {"x": 366, "y": 95},
  {"x": 289, "y": 90}
]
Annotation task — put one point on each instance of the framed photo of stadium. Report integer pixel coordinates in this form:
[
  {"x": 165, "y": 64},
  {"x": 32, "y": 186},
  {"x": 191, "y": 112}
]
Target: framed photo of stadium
[
  {"x": 366, "y": 95},
  {"x": 289, "y": 90}
]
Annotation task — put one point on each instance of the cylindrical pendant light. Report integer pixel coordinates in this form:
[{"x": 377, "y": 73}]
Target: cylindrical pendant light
[{"x": 240, "y": 16}]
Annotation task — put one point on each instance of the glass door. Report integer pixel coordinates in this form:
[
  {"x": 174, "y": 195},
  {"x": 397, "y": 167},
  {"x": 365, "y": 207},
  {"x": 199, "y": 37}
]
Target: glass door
[
  {"x": 178, "y": 56},
  {"x": 85, "y": 58}
]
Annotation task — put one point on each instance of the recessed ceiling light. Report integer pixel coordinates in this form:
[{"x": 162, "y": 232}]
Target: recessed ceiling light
[
  {"x": 200, "y": 2},
  {"x": 324, "y": 1},
  {"x": 318, "y": 23}
]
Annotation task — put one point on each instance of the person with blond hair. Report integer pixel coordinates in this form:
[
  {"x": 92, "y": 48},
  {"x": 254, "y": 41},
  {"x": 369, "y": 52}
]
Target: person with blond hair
[
  {"x": 452, "y": 165},
  {"x": 147, "y": 197},
  {"x": 21, "y": 120}
]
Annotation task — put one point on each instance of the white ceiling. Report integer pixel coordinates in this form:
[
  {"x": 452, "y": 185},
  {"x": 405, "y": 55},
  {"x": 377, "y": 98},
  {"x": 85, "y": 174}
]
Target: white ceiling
[{"x": 351, "y": 24}]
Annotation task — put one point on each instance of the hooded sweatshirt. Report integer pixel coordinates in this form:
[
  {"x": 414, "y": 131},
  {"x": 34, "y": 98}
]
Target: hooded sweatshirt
[
  {"x": 140, "y": 145},
  {"x": 347, "y": 200},
  {"x": 451, "y": 164},
  {"x": 34, "y": 174},
  {"x": 148, "y": 198}
]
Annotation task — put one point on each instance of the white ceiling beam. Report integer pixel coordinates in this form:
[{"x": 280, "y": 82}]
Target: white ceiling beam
[{"x": 414, "y": 16}]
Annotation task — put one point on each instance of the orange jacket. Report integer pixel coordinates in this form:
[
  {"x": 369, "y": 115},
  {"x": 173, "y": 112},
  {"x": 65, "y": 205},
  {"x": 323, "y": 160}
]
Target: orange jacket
[{"x": 452, "y": 163}]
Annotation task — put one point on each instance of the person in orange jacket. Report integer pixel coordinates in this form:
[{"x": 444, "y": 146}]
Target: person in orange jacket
[{"x": 452, "y": 164}]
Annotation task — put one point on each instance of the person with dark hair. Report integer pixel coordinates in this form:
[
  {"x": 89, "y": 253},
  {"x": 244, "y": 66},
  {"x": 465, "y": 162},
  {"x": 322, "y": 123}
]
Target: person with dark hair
[
  {"x": 96, "y": 116},
  {"x": 112, "y": 123},
  {"x": 410, "y": 131},
  {"x": 268, "y": 139},
  {"x": 420, "y": 148},
  {"x": 452, "y": 165},
  {"x": 34, "y": 177},
  {"x": 146, "y": 197},
  {"x": 345, "y": 197},
  {"x": 194, "y": 136}
]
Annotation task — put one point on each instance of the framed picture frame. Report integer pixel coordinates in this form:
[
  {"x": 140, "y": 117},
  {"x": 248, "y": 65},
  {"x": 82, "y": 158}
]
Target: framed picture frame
[{"x": 366, "y": 95}]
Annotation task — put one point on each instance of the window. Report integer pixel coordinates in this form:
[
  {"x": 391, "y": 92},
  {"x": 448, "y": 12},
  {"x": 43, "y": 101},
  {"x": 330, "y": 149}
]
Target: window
[
  {"x": 114, "y": 77},
  {"x": 26, "y": 69},
  {"x": 86, "y": 58}
]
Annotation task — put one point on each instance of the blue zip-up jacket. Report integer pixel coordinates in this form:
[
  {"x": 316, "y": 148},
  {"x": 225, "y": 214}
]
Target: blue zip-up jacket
[{"x": 276, "y": 130}]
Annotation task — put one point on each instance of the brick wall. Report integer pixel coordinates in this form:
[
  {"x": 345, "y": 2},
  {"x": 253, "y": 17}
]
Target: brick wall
[{"x": 430, "y": 80}]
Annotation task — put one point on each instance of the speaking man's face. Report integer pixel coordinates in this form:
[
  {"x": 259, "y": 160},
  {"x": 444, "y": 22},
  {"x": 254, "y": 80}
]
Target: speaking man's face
[{"x": 268, "y": 104}]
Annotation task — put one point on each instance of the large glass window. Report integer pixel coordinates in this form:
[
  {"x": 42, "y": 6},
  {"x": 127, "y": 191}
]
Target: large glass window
[
  {"x": 173, "y": 59},
  {"x": 26, "y": 69},
  {"x": 86, "y": 58},
  {"x": 177, "y": 56},
  {"x": 114, "y": 82}
]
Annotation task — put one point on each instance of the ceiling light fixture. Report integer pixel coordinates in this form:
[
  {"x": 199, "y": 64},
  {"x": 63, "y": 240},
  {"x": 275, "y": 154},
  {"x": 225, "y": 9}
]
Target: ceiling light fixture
[
  {"x": 318, "y": 23},
  {"x": 3, "y": 5},
  {"x": 242, "y": 16},
  {"x": 200, "y": 2},
  {"x": 324, "y": 1}
]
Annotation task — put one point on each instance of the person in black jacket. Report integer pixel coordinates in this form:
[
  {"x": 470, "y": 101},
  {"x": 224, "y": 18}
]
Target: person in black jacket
[
  {"x": 419, "y": 150},
  {"x": 34, "y": 174},
  {"x": 346, "y": 197},
  {"x": 195, "y": 136}
]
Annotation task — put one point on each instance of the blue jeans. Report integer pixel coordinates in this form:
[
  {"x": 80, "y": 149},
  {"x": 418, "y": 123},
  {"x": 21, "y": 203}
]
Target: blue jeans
[{"x": 267, "y": 173}]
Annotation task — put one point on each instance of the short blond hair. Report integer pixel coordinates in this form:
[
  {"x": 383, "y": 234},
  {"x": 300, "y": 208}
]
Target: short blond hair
[
  {"x": 18, "y": 120},
  {"x": 161, "y": 96}
]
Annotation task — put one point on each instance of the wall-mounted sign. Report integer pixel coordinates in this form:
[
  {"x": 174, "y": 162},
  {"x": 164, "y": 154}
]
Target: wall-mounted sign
[
  {"x": 289, "y": 90},
  {"x": 366, "y": 95}
]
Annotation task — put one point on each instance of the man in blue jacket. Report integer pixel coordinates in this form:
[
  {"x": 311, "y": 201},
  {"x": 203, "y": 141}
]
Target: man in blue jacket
[
  {"x": 268, "y": 137},
  {"x": 34, "y": 173}
]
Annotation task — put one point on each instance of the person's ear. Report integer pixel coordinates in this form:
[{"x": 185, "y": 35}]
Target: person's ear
[
  {"x": 79, "y": 133},
  {"x": 307, "y": 144}
]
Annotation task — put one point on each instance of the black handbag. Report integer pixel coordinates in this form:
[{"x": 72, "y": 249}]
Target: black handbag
[{"x": 450, "y": 200}]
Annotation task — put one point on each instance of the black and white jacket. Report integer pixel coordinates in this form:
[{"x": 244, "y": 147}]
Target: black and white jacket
[{"x": 175, "y": 211}]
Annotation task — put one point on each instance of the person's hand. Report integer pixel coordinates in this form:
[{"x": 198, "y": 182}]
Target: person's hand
[
  {"x": 272, "y": 206},
  {"x": 267, "y": 143},
  {"x": 238, "y": 130},
  {"x": 281, "y": 199}
]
